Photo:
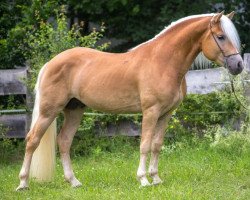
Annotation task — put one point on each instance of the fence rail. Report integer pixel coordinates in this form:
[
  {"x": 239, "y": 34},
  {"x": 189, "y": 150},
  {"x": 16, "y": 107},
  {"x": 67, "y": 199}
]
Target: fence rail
[{"x": 18, "y": 121}]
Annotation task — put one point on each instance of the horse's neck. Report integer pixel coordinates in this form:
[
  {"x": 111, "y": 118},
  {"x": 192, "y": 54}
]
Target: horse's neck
[{"x": 177, "y": 48}]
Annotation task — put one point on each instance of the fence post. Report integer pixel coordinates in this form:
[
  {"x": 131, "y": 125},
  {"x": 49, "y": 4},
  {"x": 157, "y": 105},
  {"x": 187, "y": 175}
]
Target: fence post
[
  {"x": 247, "y": 62},
  {"x": 29, "y": 94},
  {"x": 29, "y": 101},
  {"x": 247, "y": 68}
]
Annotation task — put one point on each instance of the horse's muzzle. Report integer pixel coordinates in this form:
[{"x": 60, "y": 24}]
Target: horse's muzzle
[{"x": 234, "y": 64}]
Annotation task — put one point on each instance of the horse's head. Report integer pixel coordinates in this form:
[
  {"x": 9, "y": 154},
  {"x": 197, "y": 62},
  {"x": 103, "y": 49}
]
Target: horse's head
[{"x": 221, "y": 43}]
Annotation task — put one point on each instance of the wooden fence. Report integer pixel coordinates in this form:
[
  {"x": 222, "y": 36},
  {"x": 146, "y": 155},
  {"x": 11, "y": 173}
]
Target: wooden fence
[{"x": 17, "y": 122}]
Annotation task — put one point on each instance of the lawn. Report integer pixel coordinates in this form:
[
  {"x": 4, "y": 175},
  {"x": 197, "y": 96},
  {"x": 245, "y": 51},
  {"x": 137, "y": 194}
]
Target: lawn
[{"x": 189, "y": 172}]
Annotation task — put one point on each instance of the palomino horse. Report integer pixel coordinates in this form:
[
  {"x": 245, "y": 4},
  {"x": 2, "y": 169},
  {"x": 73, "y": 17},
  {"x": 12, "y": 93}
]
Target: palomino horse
[{"x": 149, "y": 79}]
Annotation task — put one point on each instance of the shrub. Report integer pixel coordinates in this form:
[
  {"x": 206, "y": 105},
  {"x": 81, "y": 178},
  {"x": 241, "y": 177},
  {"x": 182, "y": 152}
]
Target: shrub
[
  {"x": 51, "y": 39},
  {"x": 10, "y": 149},
  {"x": 230, "y": 142}
]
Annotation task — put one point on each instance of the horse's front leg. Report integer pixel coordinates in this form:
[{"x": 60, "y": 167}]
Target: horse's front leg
[
  {"x": 156, "y": 145},
  {"x": 150, "y": 118}
]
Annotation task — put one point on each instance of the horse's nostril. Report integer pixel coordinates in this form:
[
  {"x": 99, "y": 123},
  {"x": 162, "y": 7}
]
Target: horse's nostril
[{"x": 240, "y": 65}]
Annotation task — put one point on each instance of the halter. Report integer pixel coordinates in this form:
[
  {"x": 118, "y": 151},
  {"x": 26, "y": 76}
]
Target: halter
[
  {"x": 226, "y": 66},
  {"x": 218, "y": 44}
]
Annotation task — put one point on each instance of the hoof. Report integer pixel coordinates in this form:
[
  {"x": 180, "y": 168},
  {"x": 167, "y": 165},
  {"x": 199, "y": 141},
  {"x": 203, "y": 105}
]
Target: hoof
[
  {"x": 22, "y": 188},
  {"x": 76, "y": 184},
  {"x": 156, "y": 179},
  {"x": 157, "y": 182},
  {"x": 144, "y": 182}
]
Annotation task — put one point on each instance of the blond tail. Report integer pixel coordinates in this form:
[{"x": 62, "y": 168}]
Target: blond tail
[{"x": 43, "y": 161}]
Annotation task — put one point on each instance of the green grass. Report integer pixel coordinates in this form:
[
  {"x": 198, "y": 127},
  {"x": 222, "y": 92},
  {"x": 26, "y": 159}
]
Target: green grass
[{"x": 189, "y": 172}]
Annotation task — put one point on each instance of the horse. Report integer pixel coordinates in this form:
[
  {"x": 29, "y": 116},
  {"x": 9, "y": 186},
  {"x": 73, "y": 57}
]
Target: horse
[{"x": 149, "y": 78}]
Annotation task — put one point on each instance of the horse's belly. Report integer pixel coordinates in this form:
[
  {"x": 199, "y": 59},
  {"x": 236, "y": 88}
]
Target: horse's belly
[{"x": 112, "y": 102}]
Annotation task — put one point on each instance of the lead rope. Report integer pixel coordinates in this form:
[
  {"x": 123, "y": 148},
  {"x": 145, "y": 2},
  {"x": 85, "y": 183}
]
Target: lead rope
[{"x": 236, "y": 97}]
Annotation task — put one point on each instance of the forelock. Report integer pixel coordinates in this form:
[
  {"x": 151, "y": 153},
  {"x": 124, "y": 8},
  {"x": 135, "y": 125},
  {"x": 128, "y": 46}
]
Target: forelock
[{"x": 230, "y": 31}]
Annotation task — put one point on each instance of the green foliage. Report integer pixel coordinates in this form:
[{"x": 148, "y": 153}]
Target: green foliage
[
  {"x": 10, "y": 149},
  {"x": 90, "y": 144},
  {"x": 9, "y": 102},
  {"x": 124, "y": 18},
  {"x": 89, "y": 141},
  {"x": 227, "y": 141},
  {"x": 202, "y": 110},
  {"x": 11, "y": 50},
  {"x": 19, "y": 17},
  {"x": 198, "y": 113},
  {"x": 30, "y": 36},
  {"x": 191, "y": 172},
  {"x": 52, "y": 38}
]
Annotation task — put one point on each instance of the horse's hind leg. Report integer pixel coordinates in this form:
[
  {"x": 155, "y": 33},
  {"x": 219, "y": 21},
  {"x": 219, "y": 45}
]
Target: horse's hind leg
[
  {"x": 156, "y": 145},
  {"x": 72, "y": 119},
  {"x": 33, "y": 139}
]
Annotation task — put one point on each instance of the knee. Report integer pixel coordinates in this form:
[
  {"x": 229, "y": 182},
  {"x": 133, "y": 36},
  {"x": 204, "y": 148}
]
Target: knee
[
  {"x": 145, "y": 147},
  {"x": 156, "y": 147}
]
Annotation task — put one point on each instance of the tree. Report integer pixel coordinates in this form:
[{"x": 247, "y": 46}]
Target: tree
[
  {"x": 17, "y": 18},
  {"x": 137, "y": 21},
  {"x": 134, "y": 21}
]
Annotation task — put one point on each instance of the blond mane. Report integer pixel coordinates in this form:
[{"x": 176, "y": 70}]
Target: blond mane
[{"x": 201, "y": 61}]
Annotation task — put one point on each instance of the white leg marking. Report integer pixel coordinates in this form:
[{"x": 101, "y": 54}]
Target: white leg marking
[
  {"x": 24, "y": 173},
  {"x": 68, "y": 172},
  {"x": 141, "y": 172},
  {"x": 153, "y": 168}
]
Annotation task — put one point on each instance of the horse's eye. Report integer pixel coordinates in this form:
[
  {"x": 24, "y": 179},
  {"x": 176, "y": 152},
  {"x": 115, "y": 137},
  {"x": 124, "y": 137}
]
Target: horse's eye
[{"x": 221, "y": 37}]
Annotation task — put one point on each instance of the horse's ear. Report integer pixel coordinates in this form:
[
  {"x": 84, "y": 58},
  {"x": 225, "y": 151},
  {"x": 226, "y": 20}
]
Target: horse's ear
[
  {"x": 216, "y": 18},
  {"x": 230, "y": 15}
]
